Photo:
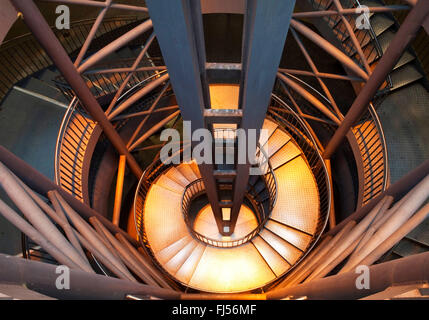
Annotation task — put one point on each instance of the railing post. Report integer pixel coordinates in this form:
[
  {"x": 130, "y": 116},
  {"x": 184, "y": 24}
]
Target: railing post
[
  {"x": 403, "y": 37},
  {"x": 43, "y": 33}
]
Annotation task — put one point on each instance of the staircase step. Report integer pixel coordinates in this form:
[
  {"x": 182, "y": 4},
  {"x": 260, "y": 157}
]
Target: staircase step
[
  {"x": 285, "y": 154},
  {"x": 125, "y": 53},
  {"x": 177, "y": 177},
  {"x": 297, "y": 202},
  {"x": 277, "y": 140},
  {"x": 385, "y": 39},
  {"x": 228, "y": 264},
  {"x": 29, "y": 129},
  {"x": 296, "y": 238},
  {"x": 179, "y": 259},
  {"x": 45, "y": 89},
  {"x": 405, "y": 75},
  {"x": 205, "y": 224},
  {"x": 269, "y": 126},
  {"x": 272, "y": 258},
  {"x": 169, "y": 252},
  {"x": 186, "y": 271},
  {"x": 381, "y": 22},
  {"x": 163, "y": 220},
  {"x": 48, "y": 75},
  {"x": 407, "y": 247},
  {"x": 186, "y": 170},
  {"x": 169, "y": 184},
  {"x": 421, "y": 233},
  {"x": 194, "y": 167},
  {"x": 258, "y": 187},
  {"x": 285, "y": 249}
]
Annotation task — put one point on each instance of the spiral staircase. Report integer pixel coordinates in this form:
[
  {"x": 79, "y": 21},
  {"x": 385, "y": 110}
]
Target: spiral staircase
[{"x": 156, "y": 223}]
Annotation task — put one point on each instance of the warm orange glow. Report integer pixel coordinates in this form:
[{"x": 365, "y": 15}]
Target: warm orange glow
[
  {"x": 224, "y": 96},
  {"x": 205, "y": 224}
]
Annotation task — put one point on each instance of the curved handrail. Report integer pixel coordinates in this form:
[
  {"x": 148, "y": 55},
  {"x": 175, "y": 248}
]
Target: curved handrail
[{"x": 196, "y": 188}]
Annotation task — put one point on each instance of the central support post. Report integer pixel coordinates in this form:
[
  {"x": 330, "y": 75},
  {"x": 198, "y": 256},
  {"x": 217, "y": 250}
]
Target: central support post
[
  {"x": 179, "y": 30},
  {"x": 266, "y": 25}
]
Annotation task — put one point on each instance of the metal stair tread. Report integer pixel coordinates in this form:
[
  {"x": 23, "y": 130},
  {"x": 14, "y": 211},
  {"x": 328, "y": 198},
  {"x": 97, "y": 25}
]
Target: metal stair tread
[
  {"x": 405, "y": 75},
  {"x": 174, "y": 264},
  {"x": 297, "y": 202},
  {"x": 44, "y": 88},
  {"x": 177, "y": 176},
  {"x": 194, "y": 167},
  {"x": 169, "y": 184},
  {"x": 285, "y": 154},
  {"x": 296, "y": 238},
  {"x": 228, "y": 263},
  {"x": 282, "y": 247},
  {"x": 270, "y": 127},
  {"x": 385, "y": 39},
  {"x": 272, "y": 257},
  {"x": 186, "y": 271},
  {"x": 186, "y": 170}
]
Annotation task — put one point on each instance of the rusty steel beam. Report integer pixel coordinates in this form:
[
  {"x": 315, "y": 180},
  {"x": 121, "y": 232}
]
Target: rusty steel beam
[
  {"x": 309, "y": 97},
  {"x": 115, "y": 45},
  {"x": 41, "y": 277},
  {"x": 348, "y": 11},
  {"x": 396, "y": 190},
  {"x": 92, "y": 34},
  {"x": 127, "y": 79},
  {"x": 42, "y": 185},
  {"x": 329, "y": 48},
  {"x": 321, "y": 75},
  {"x": 119, "y": 190},
  {"x": 92, "y": 3},
  {"x": 406, "y": 33},
  {"x": 43, "y": 33},
  {"x": 409, "y": 270}
]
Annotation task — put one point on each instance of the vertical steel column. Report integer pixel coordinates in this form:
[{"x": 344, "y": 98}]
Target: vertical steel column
[
  {"x": 119, "y": 190},
  {"x": 265, "y": 28},
  {"x": 402, "y": 39},
  {"x": 42, "y": 185},
  {"x": 179, "y": 30},
  {"x": 43, "y": 33}
]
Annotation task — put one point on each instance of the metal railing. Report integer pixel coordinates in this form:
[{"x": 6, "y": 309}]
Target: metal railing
[
  {"x": 105, "y": 83},
  {"x": 77, "y": 128},
  {"x": 23, "y": 56},
  {"x": 292, "y": 123},
  {"x": 372, "y": 145},
  {"x": 196, "y": 188},
  {"x": 367, "y": 38},
  {"x": 75, "y": 132},
  {"x": 369, "y": 135},
  {"x": 421, "y": 42}
]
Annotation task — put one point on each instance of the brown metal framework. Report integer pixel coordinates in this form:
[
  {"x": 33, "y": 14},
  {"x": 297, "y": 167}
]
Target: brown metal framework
[{"x": 371, "y": 80}]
